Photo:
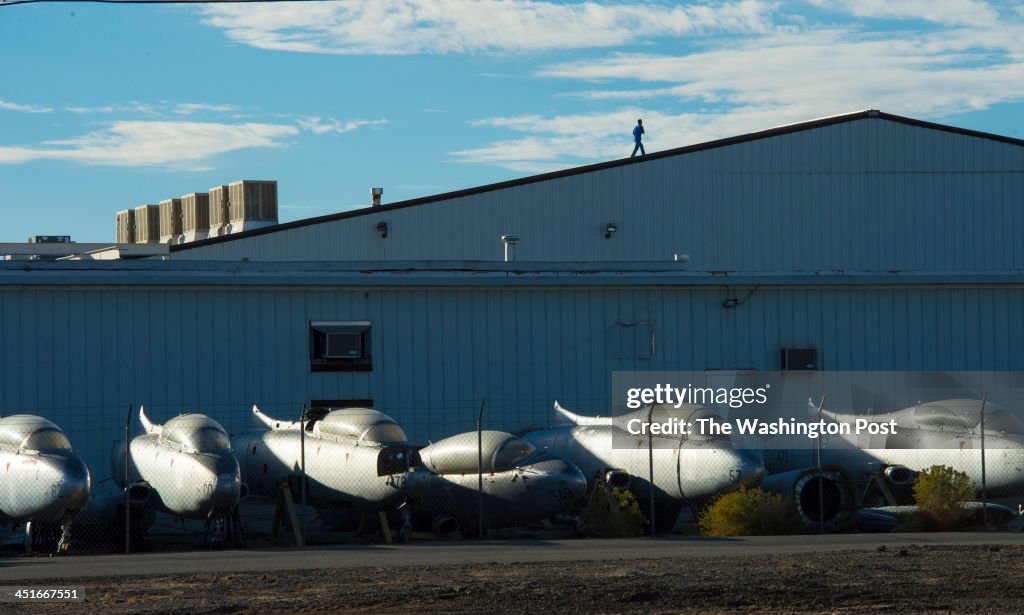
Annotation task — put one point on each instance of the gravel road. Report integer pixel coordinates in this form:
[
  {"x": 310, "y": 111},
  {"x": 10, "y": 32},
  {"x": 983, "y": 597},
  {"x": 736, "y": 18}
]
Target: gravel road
[{"x": 903, "y": 577}]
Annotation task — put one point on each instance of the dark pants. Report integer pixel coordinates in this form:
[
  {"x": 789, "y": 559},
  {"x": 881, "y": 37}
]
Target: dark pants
[{"x": 639, "y": 146}]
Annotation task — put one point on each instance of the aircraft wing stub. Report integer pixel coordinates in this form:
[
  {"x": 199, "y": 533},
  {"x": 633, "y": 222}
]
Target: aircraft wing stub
[{"x": 582, "y": 420}]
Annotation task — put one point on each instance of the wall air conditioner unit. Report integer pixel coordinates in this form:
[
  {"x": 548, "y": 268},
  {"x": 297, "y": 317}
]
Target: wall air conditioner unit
[
  {"x": 343, "y": 345},
  {"x": 799, "y": 359}
]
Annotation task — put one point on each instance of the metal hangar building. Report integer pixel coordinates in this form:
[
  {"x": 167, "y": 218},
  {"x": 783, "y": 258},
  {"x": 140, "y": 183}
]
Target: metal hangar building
[{"x": 865, "y": 241}]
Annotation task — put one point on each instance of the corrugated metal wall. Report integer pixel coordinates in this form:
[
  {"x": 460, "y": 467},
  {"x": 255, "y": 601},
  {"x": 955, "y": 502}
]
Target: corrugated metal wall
[
  {"x": 81, "y": 356},
  {"x": 864, "y": 195}
]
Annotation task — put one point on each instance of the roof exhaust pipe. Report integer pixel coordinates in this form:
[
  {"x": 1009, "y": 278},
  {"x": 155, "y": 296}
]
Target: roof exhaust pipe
[
  {"x": 510, "y": 242},
  {"x": 375, "y": 194}
]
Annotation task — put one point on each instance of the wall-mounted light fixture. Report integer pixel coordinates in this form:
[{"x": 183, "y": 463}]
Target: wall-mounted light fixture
[
  {"x": 382, "y": 230},
  {"x": 609, "y": 229}
]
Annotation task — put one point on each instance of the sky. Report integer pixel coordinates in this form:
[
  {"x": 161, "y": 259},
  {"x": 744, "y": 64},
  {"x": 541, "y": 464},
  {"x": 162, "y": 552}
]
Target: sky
[{"x": 105, "y": 107}]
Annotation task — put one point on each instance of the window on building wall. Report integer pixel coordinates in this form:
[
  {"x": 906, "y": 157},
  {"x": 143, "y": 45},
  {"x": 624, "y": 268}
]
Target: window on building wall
[
  {"x": 340, "y": 346},
  {"x": 630, "y": 340}
]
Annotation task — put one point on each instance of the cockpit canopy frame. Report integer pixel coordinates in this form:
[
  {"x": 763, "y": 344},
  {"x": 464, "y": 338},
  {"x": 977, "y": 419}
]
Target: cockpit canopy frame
[
  {"x": 364, "y": 425},
  {"x": 26, "y": 433},
  {"x": 458, "y": 454},
  {"x": 196, "y": 433}
]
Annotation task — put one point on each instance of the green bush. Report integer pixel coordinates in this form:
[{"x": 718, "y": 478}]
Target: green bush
[
  {"x": 613, "y": 513},
  {"x": 940, "y": 493},
  {"x": 749, "y": 512}
]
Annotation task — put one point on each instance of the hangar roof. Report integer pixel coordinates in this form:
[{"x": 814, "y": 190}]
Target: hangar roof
[{"x": 763, "y": 134}]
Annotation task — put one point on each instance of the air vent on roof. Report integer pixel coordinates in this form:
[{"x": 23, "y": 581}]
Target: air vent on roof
[
  {"x": 252, "y": 204},
  {"x": 147, "y": 224},
  {"x": 195, "y": 216},
  {"x": 170, "y": 221}
]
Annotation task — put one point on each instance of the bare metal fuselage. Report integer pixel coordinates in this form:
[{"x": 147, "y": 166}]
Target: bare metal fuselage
[
  {"x": 41, "y": 486},
  {"x": 340, "y": 472},
  {"x": 543, "y": 486},
  {"x": 186, "y": 484},
  {"x": 41, "y": 478},
  {"x": 687, "y": 472},
  {"x": 1004, "y": 458}
]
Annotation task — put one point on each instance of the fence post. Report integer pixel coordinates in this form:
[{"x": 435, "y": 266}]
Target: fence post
[
  {"x": 821, "y": 485},
  {"x": 984, "y": 485},
  {"x": 127, "y": 485},
  {"x": 302, "y": 468},
  {"x": 480, "y": 467},
  {"x": 650, "y": 465}
]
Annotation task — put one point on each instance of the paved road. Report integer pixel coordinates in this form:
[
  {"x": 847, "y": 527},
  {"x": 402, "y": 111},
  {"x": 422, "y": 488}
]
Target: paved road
[{"x": 462, "y": 552}]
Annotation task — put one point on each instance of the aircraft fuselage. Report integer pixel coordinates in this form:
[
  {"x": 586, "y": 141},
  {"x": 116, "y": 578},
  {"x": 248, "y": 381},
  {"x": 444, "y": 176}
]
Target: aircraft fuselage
[
  {"x": 187, "y": 484},
  {"x": 339, "y": 472}
]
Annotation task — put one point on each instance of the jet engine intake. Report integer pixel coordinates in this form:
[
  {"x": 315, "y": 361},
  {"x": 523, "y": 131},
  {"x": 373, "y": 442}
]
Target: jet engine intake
[
  {"x": 821, "y": 497},
  {"x": 139, "y": 493},
  {"x": 445, "y": 525},
  {"x": 900, "y": 476},
  {"x": 393, "y": 459},
  {"x": 618, "y": 479}
]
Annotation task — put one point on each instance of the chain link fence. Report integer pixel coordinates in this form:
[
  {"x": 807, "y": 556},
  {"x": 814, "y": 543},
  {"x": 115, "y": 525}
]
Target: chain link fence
[{"x": 343, "y": 475}]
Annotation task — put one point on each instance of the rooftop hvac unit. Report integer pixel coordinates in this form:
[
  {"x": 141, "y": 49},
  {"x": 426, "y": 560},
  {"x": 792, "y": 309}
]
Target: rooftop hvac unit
[
  {"x": 343, "y": 345},
  {"x": 50, "y": 239},
  {"x": 126, "y": 226},
  {"x": 170, "y": 220},
  {"x": 252, "y": 204},
  {"x": 218, "y": 208},
  {"x": 147, "y": 224},
  {"x": 195, "y": 216},
  {"x": 799, "y": 359}
]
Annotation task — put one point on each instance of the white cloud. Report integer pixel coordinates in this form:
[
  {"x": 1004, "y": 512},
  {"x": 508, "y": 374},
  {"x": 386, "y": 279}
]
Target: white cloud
[
  {"x": 10, "y": 106},
  {"x": 400, "y": 27},
  {"x": 190, "y": 108},
  {"x": 837, "y": 69},
  {"x": 173, "y": 143},
  {"x": 786, "y": 74},
  {"x": 133, "y": 106},
  {"x": 561, "y": 142},
  {"x": 140, "y": 143},
  {"x": 947, "y": 12},
  {"x": 161, "y": 108},
  {"x": 320, "y": 126}
]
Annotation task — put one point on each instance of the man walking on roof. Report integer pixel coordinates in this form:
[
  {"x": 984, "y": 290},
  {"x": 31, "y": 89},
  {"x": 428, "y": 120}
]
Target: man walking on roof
[{"x": 638, "y": 132}]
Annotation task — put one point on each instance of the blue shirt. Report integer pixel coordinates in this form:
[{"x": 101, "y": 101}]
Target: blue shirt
[{"x": 637, "y": 131}]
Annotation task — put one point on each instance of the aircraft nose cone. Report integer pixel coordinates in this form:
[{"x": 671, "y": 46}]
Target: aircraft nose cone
[
  {"x": 226, "y": 490},
  {"x": 575, "y": 482},
  {"x": 706, "y": 471},
  {"x": 567, "y": 477},
  {"x": 71, "y": 491},
  {"x": 751, "y": 466},
  {"x": 76, "y": 490},
  {"x": 416, "y": 483},
  {"x": 563, "y": 480}
]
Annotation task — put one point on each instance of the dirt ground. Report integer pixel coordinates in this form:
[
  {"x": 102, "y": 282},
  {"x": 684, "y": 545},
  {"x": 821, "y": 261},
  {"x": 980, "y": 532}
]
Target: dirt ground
[{"x": 938, "y": 579}]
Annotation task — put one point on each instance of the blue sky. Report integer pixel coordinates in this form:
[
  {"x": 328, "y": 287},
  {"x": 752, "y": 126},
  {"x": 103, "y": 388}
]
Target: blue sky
[{"x": 109, "y": 106}]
